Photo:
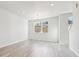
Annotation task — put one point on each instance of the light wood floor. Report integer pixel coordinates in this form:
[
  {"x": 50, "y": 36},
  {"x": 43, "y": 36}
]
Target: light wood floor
[{"x": 36, "y": 49}]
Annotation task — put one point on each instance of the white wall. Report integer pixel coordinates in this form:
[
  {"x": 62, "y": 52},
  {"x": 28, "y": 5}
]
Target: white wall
[
  {"x": 52, "y": 34},
  {"x": 74, "y": 32},
  {"x": 61, "y": 22},
  {"x": 13, "y": 28},
  {"x": 64, "y": 33}
]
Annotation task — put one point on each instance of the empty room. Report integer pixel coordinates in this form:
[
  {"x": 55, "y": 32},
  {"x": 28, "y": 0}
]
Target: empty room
[{"x": 39, "y": 28}]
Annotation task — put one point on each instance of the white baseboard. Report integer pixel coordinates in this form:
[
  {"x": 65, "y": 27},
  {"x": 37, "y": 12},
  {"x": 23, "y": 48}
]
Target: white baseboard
[
  {"x": 11, "y": 43},
  {"x": 75, "y": 52}
]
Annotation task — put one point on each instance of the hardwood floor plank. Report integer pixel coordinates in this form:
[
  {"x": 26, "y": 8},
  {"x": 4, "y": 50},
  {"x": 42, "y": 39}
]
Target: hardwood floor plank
[{"x": 30, "y": 48}]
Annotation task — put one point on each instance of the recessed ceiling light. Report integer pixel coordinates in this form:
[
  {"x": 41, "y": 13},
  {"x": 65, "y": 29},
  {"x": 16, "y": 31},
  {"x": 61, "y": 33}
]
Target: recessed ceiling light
[{"x": 52, "y": 4}]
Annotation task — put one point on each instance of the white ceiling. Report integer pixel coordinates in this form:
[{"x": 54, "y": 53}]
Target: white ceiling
[{"x": 40, "y": 9}]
